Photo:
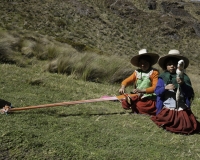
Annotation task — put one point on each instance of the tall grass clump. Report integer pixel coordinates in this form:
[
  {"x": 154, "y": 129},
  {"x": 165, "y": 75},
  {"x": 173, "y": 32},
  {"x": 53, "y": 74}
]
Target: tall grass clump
[
  {"x": 48, "y": 52},
  {"x": 42, "y": 48},
  {"x": 7, "y": 43},
  {"x": 91, "y": 67},
  {"x": 26, "y": 47},
  {"x": 5, "y": 53}
]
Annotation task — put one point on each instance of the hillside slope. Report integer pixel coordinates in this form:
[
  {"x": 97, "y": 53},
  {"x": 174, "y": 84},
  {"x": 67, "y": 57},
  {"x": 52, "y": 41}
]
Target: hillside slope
[{"x": 119, "y": 27}]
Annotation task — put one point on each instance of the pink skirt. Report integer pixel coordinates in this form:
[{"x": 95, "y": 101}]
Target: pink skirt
[{"x": 182, "y": 121}]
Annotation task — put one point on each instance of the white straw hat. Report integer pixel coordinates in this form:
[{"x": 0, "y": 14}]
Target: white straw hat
[
  {"x": 143, "y": 52},
  {"x": 174, "y": 54}
]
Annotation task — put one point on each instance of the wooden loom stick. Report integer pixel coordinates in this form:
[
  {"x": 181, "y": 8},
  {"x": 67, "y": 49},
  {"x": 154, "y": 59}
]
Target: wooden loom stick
[{"x": 120, "y": 97}]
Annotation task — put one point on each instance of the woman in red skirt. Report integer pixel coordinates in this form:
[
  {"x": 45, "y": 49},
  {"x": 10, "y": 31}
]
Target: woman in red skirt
[
  {"x": 174, "y": 94},
  {"x": 144, "y": 80}
]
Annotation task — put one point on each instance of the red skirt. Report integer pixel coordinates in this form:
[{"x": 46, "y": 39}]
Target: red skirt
[
  {"x": 182, "y": 121},
  {"x": 142, "y": 106}
]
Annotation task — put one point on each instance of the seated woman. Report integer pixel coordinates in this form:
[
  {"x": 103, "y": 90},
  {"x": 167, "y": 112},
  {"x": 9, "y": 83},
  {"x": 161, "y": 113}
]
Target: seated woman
[
  {"x": 174, "y": 95},
  {"x": 144, "y": 80}
]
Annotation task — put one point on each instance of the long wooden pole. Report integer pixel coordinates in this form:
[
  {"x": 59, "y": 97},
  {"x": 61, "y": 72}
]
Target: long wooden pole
[{"x": 120, "y": 97}]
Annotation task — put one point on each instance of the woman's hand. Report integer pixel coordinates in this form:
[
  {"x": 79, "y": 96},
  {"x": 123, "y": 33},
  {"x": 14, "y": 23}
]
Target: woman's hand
[
  {"x": 170, "y": 87},
  {"x": 179, "y": 80},
  {"x": 139, "y": 90},
  {"x": 136, "y": 90},
  {"x": 122, "y": 90}
]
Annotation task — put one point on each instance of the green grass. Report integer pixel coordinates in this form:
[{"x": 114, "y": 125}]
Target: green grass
[
  {"x": 112, "y": 32},
  {"x": 99, "y": 130}
]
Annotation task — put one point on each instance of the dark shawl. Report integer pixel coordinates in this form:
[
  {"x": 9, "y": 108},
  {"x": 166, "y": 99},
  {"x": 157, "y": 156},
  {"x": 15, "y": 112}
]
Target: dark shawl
[{"x": 169, "y": 78}]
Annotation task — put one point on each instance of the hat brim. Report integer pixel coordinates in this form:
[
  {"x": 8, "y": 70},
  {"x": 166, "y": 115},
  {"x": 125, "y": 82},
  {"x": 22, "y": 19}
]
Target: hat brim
[
  {"x": 154, "y": 58},
  {"x": 161, "y": 61}
]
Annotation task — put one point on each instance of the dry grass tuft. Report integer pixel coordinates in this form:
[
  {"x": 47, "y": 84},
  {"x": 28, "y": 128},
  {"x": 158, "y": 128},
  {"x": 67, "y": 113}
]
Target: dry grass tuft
[{"x": 91, "y": 67}]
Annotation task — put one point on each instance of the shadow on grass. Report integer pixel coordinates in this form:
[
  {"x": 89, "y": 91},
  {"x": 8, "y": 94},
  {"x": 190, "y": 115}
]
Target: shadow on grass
[
  {"x": 92, "y": 114},
  {"x": 57, "y": 114}
]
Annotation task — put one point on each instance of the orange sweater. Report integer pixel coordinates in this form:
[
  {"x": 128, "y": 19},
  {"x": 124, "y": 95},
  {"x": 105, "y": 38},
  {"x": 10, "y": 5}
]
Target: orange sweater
[{"x": 132, "y": 79}]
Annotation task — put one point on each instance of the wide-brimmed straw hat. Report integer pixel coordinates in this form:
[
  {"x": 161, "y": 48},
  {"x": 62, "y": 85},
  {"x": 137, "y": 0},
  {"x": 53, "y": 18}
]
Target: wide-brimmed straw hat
[
  {"x": 172, "y": 54},
  {"x": 143, "y": 52}
]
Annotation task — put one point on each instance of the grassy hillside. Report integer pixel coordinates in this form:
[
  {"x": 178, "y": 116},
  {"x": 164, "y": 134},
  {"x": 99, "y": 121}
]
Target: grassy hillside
[
  {"x": 101, "y": 130},
  {"x": 66, "y": 50}
]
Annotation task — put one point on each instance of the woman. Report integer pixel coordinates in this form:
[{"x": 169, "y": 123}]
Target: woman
[
  {"x": 174, "y": 95},
  {"x": 144, "y": 80}
]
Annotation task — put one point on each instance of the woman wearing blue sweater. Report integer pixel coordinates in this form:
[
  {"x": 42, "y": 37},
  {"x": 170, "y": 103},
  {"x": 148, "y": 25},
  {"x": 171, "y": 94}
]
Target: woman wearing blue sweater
[{"x": 174, "y": 96}]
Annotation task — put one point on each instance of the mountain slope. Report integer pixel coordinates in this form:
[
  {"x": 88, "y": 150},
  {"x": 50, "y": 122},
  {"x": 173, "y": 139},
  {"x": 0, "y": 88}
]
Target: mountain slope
[{"x": 120, "y": 27}]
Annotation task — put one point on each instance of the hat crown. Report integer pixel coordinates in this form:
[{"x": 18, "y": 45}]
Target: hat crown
[
  {"x": 142, "y": 51},
  {"x": 174, "y": 52}
]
